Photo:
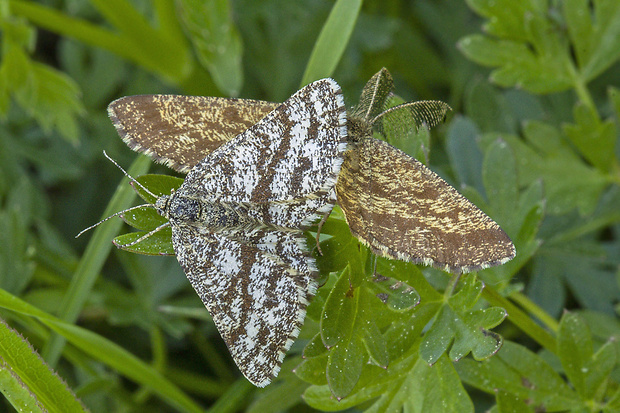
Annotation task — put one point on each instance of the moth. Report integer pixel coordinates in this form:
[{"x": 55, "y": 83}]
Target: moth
[
  {"x": 238, "y": 219},
  {"x": 392, "y": 203}
]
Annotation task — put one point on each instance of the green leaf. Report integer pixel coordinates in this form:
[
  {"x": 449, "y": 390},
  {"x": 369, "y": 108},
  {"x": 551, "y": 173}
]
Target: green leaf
[
  {"x": 526, "y": 222},
  {"x": 507, "y": 18},
  {"x": 569, "y": 183},
  {"x": 353, "y": 334},
  {"x": 375, "y": 344},
  {"x": 511, "y": 403},
  {"x": 48, "y": 95},
  {"x": 389, "y": 387},
  {"x": 18, "y": 395},
  {"x": 158, "y": 243},
  {"x": 158, "y": 185},
  {"x": 578, "y": 265},
  {"x": 397, "y": 295},
  {"x": 143, "y": 218},
  {"x": 107, "y": 352},
  {"x": 332, "y": 40},
  {"x": 523, "y": 374},
  {"x": 463, "y": 151},
  {"x": 519, "y": 65},
  {"x": 312, "y": 370},
  {"x": 17, "y": 264},
  {"x": 586, "y": 370},
  {"x": 411, "y": 385},
  {"x": 315, "y": 347},
  {"x": 595, "y": 139},
  {"x": 162, "y": 50},
  {"x": 344, "y": 365},
  {"x": 594, "y": 30},
  {"x": 528, "y": 49},
  {"x": 216, "y": 41},
  {"x": 461, "y": 329},
  {"x": 519, "y": 214},
  {"x": 436, "y": 388},
  {"x": 27, "y": 382},
  {"x": 487, "y": 106},
  {"x": 339, "y": 311},
  {"x": 340, "y": 248},
  {"x": 499, "y": 173}
]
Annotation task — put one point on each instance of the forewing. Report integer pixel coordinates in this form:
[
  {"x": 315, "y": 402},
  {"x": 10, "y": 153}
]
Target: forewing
[
  {"x": 285, "y": 247},
  {"x": 179, "y": 131},
  {"x": 293, "y": 152},
  {"x": 257, "y": 304},
  {"x": 298, "y": 213},
  {"x": 403, "y": 210}
]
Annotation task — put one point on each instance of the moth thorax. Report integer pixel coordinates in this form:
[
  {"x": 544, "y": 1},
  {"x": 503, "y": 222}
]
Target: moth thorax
[
  {"x": 358, "y": 129},
  {"x": 196, "y": 212}
]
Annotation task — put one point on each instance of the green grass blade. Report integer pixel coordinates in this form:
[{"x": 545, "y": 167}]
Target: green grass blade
[
  {"x": 27, "y": 382},
  {"x": 166, "y": 59},
  {"x": 96, "y": 253},
  {"x": 332, "y": 40},
  {"x": 109, "y": 353}
]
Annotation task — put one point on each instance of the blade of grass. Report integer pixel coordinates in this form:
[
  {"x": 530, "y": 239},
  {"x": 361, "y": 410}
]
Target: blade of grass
[
  {"x": 107, "y": 352},
  {"x": 95, "y": 255},
  {"x": 30, "y": 380},
  {"x": 168, "y": 60},
  {"x": 332, "y": 40}
]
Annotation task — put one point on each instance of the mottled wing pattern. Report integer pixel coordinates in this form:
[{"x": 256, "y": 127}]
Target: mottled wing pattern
[
  {"x": 179, "y": 131},
  {"x": 403, "y": 210},
  {"x": 257, "y": 303},
  {"x": 256, "y": 278},
  {"x": 284, "y": 247},
  {"x": 293, "y": 152},
  {"x": 297, "y": 213}
]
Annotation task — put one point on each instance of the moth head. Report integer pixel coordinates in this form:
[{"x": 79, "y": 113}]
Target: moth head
[{"x": 162, "y": 204}]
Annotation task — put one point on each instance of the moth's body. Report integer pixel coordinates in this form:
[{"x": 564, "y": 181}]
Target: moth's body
[{"x": 207, "y": 215}]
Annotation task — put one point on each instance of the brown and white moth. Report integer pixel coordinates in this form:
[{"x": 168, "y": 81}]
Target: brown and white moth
[
  {"x": 393, "y": 203},
  {"x": 238, "y": 219}
]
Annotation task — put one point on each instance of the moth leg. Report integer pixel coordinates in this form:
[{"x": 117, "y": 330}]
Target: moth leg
[{"x": 318, "y": 231}]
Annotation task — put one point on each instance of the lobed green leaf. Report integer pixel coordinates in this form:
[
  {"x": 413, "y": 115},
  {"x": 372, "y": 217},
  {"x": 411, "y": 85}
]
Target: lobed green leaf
[
  {"x": 586, "y": 370},
  {"x": 521, "y": 373},
  {"x": 462, "y": 330}
]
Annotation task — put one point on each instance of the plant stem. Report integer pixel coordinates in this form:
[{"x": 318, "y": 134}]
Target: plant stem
[{"x": 536, "y": 311}]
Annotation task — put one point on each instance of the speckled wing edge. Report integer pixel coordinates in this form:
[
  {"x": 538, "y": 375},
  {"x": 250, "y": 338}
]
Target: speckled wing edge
[
  {"x": 385, "y": 193},
  {"x": 179, "y": 131}
]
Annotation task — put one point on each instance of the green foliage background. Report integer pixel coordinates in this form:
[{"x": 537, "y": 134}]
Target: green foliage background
[{"x": 532, "y": 141}]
